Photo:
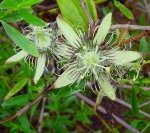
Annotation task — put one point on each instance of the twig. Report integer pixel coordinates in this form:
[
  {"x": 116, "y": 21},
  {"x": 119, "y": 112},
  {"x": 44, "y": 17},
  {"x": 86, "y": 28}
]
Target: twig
[
  {"x": 144, "y": 104},
  {"x": 44, "y": 8},
  {"x": 126, "y": 125},
  {"x": 132, "y": 39},
  {"x": 147, "y": 8},
  {"x": 41, "y": 115},
  {"x": 103, "y": 122},
  {"x": 130, "y": 27},
  {"x": 130, "y": 107},
  {"x": 137, "y": 5},
  {"x": 101, "y": 109},
  {"x": 83, "y": 4},
  {"x": 145, "y": 128},
  {"x": 28, "y": 106},
  {"x": 130, "y": 87},
  {"x": 91, "y": 25}
]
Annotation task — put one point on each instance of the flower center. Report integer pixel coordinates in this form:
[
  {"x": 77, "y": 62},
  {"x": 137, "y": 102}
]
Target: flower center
[
  {"x": 90, "y": 59},
  {"x": 43, "y": 40}
]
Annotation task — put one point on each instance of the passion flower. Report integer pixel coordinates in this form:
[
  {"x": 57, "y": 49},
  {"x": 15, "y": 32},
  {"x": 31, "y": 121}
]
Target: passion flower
[
  {"x": 89, "y": 59},
  {"x": 45, "y": 39}
]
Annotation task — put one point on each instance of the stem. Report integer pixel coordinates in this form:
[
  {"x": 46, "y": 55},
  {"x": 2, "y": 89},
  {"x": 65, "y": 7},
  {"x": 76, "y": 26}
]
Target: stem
[
  {"x": 41, "y": 115},
  {"x": 130, "y": 27},
  {"x": 28, "y": 106},
  {"x": 103, "y": 122},
  {"x": 102, "y": 110}
]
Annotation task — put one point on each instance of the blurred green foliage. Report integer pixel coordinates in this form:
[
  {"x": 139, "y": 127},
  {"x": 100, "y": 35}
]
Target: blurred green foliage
[{"x": 64, "y": 113}]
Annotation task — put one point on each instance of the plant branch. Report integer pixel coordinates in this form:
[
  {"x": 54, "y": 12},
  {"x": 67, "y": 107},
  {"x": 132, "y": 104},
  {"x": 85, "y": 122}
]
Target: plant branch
[
  {"x": 44, "y": 8},
  {"x": 28, "y": 106},
  {"x": 147, "y": 8},
  {"x": 103, "y": 122},
  {"x": 130, "y": 27},
  {"x": 84, "y": 6},
  {"x": 134, "y": 38},
  {"x": 130, "y": 87},
  {"x": 144, "y": 104},
  {"x": 130, "y": 107},
  {"x": 102, "y": 110},
  {"x": 41, "y": 115}
]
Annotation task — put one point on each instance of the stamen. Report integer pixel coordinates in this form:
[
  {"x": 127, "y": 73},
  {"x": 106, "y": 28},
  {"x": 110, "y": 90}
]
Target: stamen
[{"x": 85, "y": 73}]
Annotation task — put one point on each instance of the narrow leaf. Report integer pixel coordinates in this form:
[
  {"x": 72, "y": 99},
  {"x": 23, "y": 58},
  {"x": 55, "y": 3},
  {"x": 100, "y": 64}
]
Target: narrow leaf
[
  {"x": 135, "y": 104},
  {"x": 16, "y": 101},
  {"x": 144, "y": 45},
  {"x": 73, "y": 13},
  {"x": 24, "y": 122},
  {"x": 6, "y": 4},
  {"x": 16, "y": 88},
  {"x": 20, "y": 40},
  {"x": 31, "y": 18},
  {"x": 125, "y": 11},
  {"x": 29, "y": 2},
  {"x": 92, "y": 9}
]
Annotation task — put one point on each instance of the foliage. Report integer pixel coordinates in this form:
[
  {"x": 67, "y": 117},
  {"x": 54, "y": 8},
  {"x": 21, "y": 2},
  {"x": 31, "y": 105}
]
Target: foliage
[{"x": 63, "y": 111}]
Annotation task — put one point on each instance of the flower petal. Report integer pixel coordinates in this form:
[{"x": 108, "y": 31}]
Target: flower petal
[
  {"x": 17, "y": 57},
  {"x": 40, "y": 67},
  {"x": 103, "y": 29},
  {"x": 107, "y": 88},
  {"x": 123, "y": 57},
  {"x": 68, "y": 32},
  {"x": 64, "y": 79}
]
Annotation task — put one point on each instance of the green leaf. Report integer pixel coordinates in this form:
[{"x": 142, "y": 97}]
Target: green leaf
[
  {"x": 16, "y": 101},
  {"x": 92, "y": 9},
  {"x": 20, "y": 40},
  {"x": 100, "y": 1},
  {"x": 145, "y": 81},
  {"x": 143, "y": 45},
  {"x": 12, "y": 17},
  {"x": 33, "y": 109},
  {"x": 124, "y": 9},
  {"x": 8, "y": 4},
  {"x": 135, "y": 104},
  {"x": 29, "y": 2},
  {"x": 31, "y": 18},
  {"x": 73, "y": 13},
  {"x": 16, "y": 88},
  {"x": 2, "y": 13},
  {"x": 142, "y": 20},
  {"x": 142, "y": 91},
  {"x": 25, "y": 124}
]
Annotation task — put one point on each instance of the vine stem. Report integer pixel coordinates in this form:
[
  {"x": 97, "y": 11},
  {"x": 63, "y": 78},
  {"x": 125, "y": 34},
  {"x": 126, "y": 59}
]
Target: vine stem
[
  {"x": 28, "y": 106},
  {"x": 130, "y": 27},
  {"x": 102, "y": 110}
]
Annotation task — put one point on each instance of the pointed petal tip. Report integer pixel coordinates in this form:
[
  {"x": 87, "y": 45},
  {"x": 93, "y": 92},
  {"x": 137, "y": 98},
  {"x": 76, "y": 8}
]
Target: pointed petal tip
[
  {"x": 7, "y": 62},
  {"x": 59, "y": 18},
  {"x": 64, "y": 79},
  {"x": 68, "y": 31},
  {"x": 110, "y": 14},
  {"x": 123, "y": 57},
  {"x": 113, "y": 97},
  {"x": 103, "y": 29},
  {"x": 107, "y": 88},
  {"x": 17, "y": 57},
  {"x": 35, "y": 81},
  {"x": 39, "y": 68}
]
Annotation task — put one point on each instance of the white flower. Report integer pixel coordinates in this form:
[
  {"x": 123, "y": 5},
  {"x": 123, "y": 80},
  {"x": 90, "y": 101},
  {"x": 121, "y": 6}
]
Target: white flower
[
  {"x": 89, "y": 59},
  {"x": 45, "y": 39}
]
